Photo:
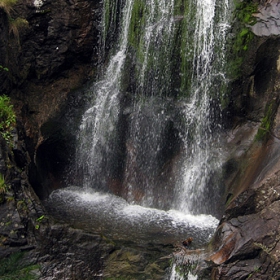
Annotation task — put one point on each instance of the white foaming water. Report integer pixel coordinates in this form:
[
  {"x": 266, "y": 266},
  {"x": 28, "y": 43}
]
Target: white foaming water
[{"x": 121, "y": 220}]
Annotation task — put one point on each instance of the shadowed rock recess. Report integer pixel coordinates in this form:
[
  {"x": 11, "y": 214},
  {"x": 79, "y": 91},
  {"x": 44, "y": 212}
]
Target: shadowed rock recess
[{"x": 50, "y": 65}]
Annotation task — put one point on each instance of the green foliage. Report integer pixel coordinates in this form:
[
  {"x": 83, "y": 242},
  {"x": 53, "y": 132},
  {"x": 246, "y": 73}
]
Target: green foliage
[
  {"x": 7, "y": 117},
  {"x": 21, "y": 205},
  {"x": 13, "y": 268},
  {"x": 39, "y": 221},
  {"x": 4, "y": 68},
  {"x": 244, "y": 12},
  {"x": 110, "y": 17},
  {"x": 3, "y": 189},
  {"x": 40, "y": 218},
  {"x": 179, "y": 7}
]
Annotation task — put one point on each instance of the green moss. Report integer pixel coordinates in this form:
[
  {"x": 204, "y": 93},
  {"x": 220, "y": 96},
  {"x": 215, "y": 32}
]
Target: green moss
[
  {"x": 179, "y": 8},
  {"x": 244, "y": 11},
  {"x": 266, "y": 123},
  {"x": 243, "y": 36},
  {"x": 136, "y": 27},
  {"x": 3, "y": 188}
]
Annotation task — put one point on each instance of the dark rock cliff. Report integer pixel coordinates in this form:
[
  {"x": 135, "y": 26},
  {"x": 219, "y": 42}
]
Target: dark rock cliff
[{"x": 54, "y": 55}]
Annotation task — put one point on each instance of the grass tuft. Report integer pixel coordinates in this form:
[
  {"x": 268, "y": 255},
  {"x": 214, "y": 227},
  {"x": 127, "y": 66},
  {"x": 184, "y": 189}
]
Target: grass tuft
[{"x": 7, "y": 5}]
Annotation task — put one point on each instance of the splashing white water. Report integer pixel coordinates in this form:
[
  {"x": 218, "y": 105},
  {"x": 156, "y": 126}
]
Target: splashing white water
[
  {"x": 201, "y": 146},
  {"x": 118, "y": 219},
  {"x": 99, "y": 121},
  {"x": 174, "y": 275}
]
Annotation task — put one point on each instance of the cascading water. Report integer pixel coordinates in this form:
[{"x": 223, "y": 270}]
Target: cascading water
[
  {"x": 146, "y": 141},
  {"x": 201, "y": 137},
  {"x": 99, "y": 121},
  {"x": 154, "y": 101}
]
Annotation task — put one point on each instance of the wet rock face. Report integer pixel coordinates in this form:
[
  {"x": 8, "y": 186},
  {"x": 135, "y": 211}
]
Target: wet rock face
[
  {"x": 250, "y": 242},
  {"x": 246, "y": 244}
]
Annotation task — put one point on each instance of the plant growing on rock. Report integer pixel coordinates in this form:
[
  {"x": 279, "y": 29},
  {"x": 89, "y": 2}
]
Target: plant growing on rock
[
  {"x": 4, "y": 68},
  {"x": 7, "y": 5},
  {"x": 3, "y": 188},
  {"x": 7, "y": 118},
  {"x": 14, "y": 24},
  {"x": 244, "y": 18}
]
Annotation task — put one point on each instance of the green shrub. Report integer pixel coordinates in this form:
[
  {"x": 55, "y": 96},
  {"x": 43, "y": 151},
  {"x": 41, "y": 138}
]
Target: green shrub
[{"x": 7, "y": 117}]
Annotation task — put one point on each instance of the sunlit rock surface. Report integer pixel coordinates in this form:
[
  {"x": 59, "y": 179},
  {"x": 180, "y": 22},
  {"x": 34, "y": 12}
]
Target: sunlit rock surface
[{"x": 268, "y": 19}]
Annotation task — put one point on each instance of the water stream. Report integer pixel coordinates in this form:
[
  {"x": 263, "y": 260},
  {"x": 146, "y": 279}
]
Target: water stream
[
  {"x": 149, "y": 158},
  {"x": 201, "y": 136}
]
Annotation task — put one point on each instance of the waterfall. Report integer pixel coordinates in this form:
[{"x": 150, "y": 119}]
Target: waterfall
[
  {"x": 148, "y": 154},
  {"x": 99, "y": 121},
  {"x": 148, "y": 158},
  {"x": 147, "y": 170},
  {"x": 151, "y": 133},
  {"x": 201, "y": 138}
]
